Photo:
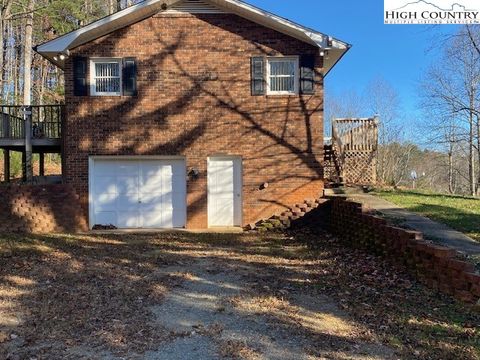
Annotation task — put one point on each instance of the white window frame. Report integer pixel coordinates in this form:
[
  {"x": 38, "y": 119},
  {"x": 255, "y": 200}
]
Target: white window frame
[
  {"x": 296, "y": 60},
  {"x": 93, "y": 90}
]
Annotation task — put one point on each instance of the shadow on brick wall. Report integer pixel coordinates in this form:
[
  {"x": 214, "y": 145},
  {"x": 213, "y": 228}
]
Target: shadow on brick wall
[{"x": 220, "y": 104}]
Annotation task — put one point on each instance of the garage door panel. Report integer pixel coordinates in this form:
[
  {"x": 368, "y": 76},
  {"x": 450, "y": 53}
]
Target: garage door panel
[
  {"x": 105, "y": 185},
  {"x": 152, "y": 219},
  {"x": 106, "y": 168},
  {"x": 106, "y": 217},
  {"x": 127, "y": 202},
  {"x": 150, "y": 169},
  {"x": 124, "y": 168},
  {"x": 140, "y": 193},
  {"x": 168, "y": 169},
  {"x": 128, "y": 184},
  {"x": 150, "y": 199},
  {"x": 152, "y": 185},
  {"x": 106, "y": 202},
  {"x": 128, "y": 219}
]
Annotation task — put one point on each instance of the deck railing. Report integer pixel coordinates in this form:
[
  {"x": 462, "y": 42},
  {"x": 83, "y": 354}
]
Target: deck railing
[
  {"x": 46, "y": 121},
  {"x": 353, "y": 151},
  {"x": 357, "y": 134}
]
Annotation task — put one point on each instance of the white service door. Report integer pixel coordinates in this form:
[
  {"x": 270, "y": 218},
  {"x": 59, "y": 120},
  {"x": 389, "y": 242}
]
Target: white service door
[
  {"x": 224, "y": 192},
  {"x": 138, "y": 193}
]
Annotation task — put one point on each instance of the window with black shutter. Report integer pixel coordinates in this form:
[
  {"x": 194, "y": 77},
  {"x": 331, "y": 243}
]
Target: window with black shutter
[
  {"x": 129, "y": 77},
  {"x": 80, "y": 82},
  {"x": 307, "y": 74},
  {"x": 258, "y": 76},
  {"x": 113, "y": 76}
]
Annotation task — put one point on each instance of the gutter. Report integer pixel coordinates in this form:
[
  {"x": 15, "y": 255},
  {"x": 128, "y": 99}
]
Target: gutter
[{"x": 349, "y": 46}]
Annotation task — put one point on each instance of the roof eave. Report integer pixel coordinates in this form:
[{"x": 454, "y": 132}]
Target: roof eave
[{"x": 51, "y": 49}]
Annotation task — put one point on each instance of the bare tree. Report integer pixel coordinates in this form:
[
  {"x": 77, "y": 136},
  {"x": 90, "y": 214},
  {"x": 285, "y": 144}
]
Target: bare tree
[
  {"x": 393, "y": 156},
  {"x": 450, "y": 91}
]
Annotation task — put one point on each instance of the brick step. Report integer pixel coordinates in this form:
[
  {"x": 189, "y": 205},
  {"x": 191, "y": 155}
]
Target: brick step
[
  {"x": 300, "y": 208},
  {"x": 295, "y": 210},
  {"x": 285, "y": 219}
]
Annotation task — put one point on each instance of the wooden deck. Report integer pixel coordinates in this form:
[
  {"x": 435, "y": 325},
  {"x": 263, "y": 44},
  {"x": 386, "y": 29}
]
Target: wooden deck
[
  {"x": 29, "y": 130},
  {"x": 46, "y": 128}
]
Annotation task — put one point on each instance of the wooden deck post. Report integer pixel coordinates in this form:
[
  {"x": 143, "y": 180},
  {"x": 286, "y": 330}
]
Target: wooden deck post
[
  {"x": 6, "y": 165},
  {"x": 42, "y": 164},
  {"x": 24, "y": 166},
  {"x": 28, "y": 144}
]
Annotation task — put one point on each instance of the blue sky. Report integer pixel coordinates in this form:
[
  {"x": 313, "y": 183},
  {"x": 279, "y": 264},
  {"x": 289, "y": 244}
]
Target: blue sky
[{"x": 398, "y": 53}]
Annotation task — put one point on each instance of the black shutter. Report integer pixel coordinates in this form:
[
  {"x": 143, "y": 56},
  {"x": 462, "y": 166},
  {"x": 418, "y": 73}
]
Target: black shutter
[
  {"x": 129, "y": 77},
  {"x": 80, "y": 82},
  {"x": 258, "y": 76},
  {"x": 307, "y": 74}
]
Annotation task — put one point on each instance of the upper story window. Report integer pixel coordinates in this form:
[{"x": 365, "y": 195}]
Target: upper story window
[
  {"x": 106, "y": 77},
  {"x": 282, "y": 76}
]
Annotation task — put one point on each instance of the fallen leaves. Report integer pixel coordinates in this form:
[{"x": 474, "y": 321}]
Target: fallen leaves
[{"x": 97, "y": 290}]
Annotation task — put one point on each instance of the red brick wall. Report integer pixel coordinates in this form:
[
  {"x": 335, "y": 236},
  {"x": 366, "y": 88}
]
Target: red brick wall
[
  {"x": 40, "y": 209},
  {"x": 438, "y": 267},
  {"x": 194, "y": 100}
]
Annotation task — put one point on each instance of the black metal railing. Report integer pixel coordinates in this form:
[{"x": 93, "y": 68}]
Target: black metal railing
[{"x": 46, "y": 121}]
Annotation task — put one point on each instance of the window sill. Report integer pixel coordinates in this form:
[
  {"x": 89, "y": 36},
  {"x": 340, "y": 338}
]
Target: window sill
[
  {"x": 282, "y": 95},
  {"x": 105, "y": 95}
]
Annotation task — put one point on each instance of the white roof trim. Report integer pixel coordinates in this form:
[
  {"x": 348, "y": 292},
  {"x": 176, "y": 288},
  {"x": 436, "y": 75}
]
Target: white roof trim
[{"x": 62, "y": 45}]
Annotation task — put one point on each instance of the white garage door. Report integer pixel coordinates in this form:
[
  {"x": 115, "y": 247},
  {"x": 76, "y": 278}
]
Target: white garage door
[{"x": 138, "y": 193}]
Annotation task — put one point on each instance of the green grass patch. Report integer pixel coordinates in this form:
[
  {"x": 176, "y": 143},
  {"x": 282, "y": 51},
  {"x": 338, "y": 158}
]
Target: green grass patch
[{"x": 459, "y": 212}]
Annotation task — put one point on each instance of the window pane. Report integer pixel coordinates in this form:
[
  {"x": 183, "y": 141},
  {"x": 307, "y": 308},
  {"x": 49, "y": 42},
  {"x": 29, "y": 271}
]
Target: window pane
[
  {"x": 107, "y": 69},
  {"x": 107, "y": 77},
  {"x": 286, "y": 67},
  {"x": 107, "y": 85},
  {"x": 282, "y": 75}
]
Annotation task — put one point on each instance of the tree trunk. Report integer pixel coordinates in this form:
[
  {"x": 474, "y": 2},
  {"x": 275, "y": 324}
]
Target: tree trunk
[
  {"x": 28, "y": 54},
  {"x": 478, "y": 155},
  {"x": 450, "y": 170},
  {"x": 4, "y": 15},
  {"x": 27, "y": 87},
  {"x": 471, "y": 147}
]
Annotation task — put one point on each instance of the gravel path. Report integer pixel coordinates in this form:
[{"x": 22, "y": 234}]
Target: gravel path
[{"x": 217, "y": 314}]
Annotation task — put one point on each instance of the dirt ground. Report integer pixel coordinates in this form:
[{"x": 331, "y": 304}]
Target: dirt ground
[{"x": 207, "y": 296}]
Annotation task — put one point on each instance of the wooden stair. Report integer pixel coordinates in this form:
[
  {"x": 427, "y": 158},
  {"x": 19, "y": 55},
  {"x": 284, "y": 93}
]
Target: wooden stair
[
  {"x": 332, "y": 165},
  {"x": 288, "y": 217}
]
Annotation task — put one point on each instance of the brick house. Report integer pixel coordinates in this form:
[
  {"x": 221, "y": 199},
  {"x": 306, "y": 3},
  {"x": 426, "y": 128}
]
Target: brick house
[{"x": 193, "y": 113}]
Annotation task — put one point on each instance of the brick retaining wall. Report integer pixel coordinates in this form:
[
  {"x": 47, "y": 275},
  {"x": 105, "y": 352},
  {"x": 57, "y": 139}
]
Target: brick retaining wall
[
  {"x": 438, "y": 267},
  {"x": 40, "y": 209}
]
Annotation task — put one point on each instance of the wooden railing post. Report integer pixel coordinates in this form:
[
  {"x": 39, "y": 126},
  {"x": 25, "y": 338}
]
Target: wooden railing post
[
  {"x": 6, "y": 165},
  {"x": 42, "y": 164},
  {"x": 27, "y": 115}
]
